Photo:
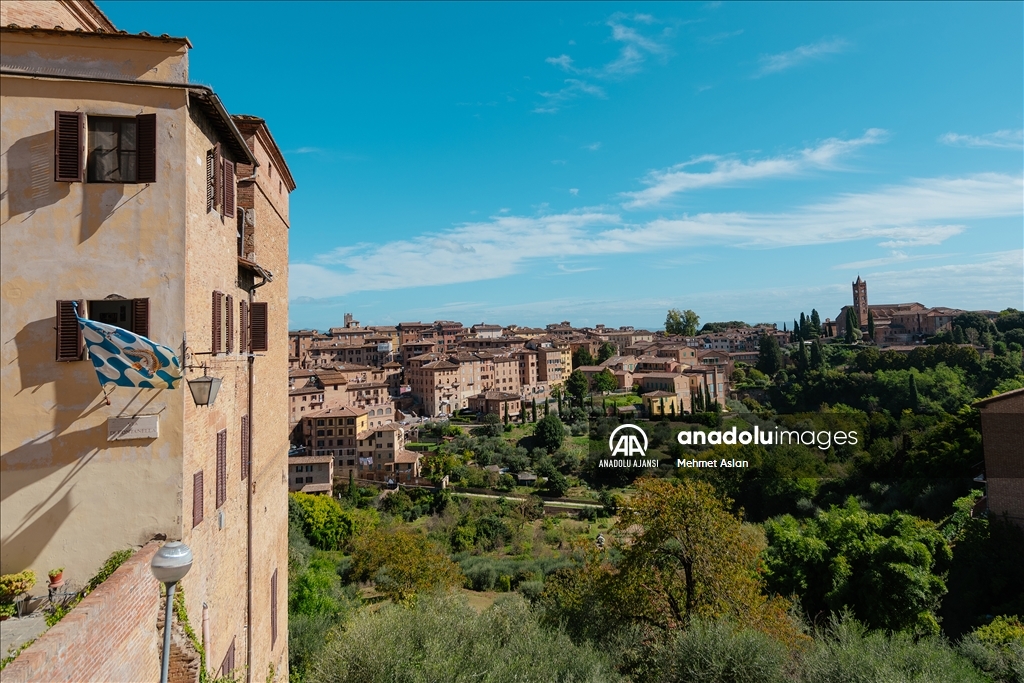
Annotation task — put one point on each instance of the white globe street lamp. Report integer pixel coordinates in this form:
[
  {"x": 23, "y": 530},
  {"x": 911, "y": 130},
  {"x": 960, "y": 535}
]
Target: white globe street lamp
[{"x": 170, "y": 565}]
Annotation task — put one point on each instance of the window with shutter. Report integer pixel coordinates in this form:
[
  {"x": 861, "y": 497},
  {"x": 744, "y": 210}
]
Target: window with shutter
[
  {"x": 140, "y": 317},
  {"x": 218, "y": 177},
  {"x": 70, "y": 345},
  {"x": 197, "y": 498},
  {"x": 243, "y": 326},
  {"x": 258, "y": 326},
  {"x": 229, "y": 323},
  {"x": 217, "y": 323},
  {"x": 245, "y": 447},
  {"x": 273, "y": 610},
  {"x": 211, "y": 184},
  {"x": 228, "y": 664},
  {"x": 68, "y": 146},
  {"x": 222, "y": 467},
  {"x": 145, "y": 125},
  {"x": 229, "y": 189}
]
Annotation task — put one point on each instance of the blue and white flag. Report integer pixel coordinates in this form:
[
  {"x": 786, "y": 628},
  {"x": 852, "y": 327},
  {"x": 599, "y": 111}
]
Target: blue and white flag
[{"x": 128, "y": 360}]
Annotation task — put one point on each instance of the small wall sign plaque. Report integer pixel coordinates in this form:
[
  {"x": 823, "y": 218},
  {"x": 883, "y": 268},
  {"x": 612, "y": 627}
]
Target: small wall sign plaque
[{"x": 126, "y": 428}]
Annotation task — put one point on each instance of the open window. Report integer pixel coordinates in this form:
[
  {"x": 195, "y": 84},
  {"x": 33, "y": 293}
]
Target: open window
[{"x": 128, "y": 314}]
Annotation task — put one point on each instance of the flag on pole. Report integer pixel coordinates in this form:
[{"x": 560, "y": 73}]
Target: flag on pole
[{"x": 125, "y": 359}]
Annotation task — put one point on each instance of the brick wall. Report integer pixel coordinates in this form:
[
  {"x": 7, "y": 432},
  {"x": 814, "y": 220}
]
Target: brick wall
[{"x": 110, "y": 636}]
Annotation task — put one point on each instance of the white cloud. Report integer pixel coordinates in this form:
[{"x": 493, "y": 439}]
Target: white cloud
[
  {"x": 920, "y": 212},
  {"x": 593, "y": 146},
  {"x": 994, "y": 280},
  {"x": 724, "y": 171},
  {"x": 1001, "y": 139},
  {"x": 894, "y": 257},
  {"x": 786, "y": 60},
  {"x": 634, "y": 50},
  {"x": 574, "y": 191}
]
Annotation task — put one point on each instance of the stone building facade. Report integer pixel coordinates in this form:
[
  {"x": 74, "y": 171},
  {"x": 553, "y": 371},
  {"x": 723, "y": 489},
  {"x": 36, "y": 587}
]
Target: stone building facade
[{"x": 155, "y": 236}]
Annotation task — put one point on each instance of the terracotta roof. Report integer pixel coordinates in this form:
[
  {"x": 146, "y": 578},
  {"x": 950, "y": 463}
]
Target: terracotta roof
[{"x": 1000, "y": 397}]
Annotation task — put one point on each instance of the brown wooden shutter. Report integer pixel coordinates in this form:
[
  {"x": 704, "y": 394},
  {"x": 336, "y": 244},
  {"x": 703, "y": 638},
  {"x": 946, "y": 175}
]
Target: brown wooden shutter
[
  {"x": 258, "y": 326},
  {"x": 211, "y": 183},
  {"x": 140, "y": 317},
  {"x": 70, "y": 345},
  {"x": 245, "y": 447},
  {"x": 218, "y": 177},
  {"x": 228, "y": 664},
  {"x": 222, "y": 467},
  {"x": 229, "y": 320},
  {"x": 229, "y": 189},
  {"x": 273, "y": 610},
  {"x": 217, "y": 323},
  {"x": 68, "y": 146},
  {"x": 197, "y": 498},
  {"x": 146, "y": 145},
  {"x": 243, "y": 326}
]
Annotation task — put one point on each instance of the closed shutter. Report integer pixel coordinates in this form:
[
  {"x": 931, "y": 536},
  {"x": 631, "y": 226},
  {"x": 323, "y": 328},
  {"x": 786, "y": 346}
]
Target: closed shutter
[
  {"x": 140, "y": 317},
  {"x": 229, "y": 319},
  {"x": 228, "y": 664},
  {"x": 222, "y": 467},
  {"x": 243, "y": 326},
  {"x": 245, "y": 447},
  {"x": 70, "y": 345},
  {"x": 218, "y": 177},
  {"x": 229, "y": 189},
  {"x": 68, "y": 146},
  {"x": 258, "y": 326},
  {"x": 217, "y": 323},
  {"x": 145, "y": 126},
  {"x": 273, "y": 610},
  {"x": 211, "y": 182},
  {"x": 197, "y": 498}
]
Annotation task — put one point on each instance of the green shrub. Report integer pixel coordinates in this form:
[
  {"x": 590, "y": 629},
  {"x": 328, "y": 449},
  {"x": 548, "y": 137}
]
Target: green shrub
[
  {"x": 997, "y": 649},
  {"x": 717, "y": 652},
  {"x": 846, "y": 652},
  {"x": 443, "y": 639}
]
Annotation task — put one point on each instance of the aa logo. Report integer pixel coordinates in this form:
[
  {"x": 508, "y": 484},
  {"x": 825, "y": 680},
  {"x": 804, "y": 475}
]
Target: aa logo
[{"x": 627, "y": 444}]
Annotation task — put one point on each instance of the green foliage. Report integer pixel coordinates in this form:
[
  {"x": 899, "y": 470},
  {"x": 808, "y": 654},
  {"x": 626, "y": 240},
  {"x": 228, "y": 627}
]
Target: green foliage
[
  {"x": 681, "y": 322},
  {"x": 606, "y": 351},
  {"x": 769, "y": 355},
  {"x": 13, "y": 585},
  {"x": 605, "y": 381},
  {"x": 550, "y": 432},
  {"x": 577, "y": 386},
  {"x": 401, "y": 563},
  {"x": 846, "y": 652},
  {"x": 722, "y": 326},
  {"x": 582, "y": 356},
  {"x": 324, "y": 522},
  {"x": 887, "y": 569},
  {"x": 443, "y": 639},
  {"x": 719, "y": 652},
  {"x": 557, "y": 484},
  {"x": 997, "y": 649}
]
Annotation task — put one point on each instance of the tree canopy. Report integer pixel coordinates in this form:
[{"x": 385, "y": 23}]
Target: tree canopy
[{"x": 681, "y": 322}]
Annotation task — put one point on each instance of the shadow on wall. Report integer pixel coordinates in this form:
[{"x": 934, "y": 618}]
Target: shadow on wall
[
  {"x": 24, "y": 544},
  {"x": 30, "y": 183}
]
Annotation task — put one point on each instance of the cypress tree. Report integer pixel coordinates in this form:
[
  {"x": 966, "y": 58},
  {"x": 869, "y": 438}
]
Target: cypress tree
[
  {"x": 851, "y": 325},
  {"x": 801, "y": 358},
  {"x": 915, "y": 399},
  {"x": 871, "y": 325},
  {"x": 506, "y": 412},
  {"x": 815, "y": 323},
  {"x": 351, "y": 485},
  {"x": 546, "y": 409},
  {"x": 958, "y": 335},
  {"x": 816, "y": 360},
  {"x": 534, "y": 409}
]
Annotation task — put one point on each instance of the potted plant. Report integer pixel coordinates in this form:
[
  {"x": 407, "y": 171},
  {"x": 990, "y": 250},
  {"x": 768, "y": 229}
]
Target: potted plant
[{"x": 55, "y": 575}]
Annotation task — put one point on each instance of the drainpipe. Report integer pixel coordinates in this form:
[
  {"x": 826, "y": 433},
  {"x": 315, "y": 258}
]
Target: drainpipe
[
  {"x": 206, "y": 635},
  {"x": 249, "y": 493}
]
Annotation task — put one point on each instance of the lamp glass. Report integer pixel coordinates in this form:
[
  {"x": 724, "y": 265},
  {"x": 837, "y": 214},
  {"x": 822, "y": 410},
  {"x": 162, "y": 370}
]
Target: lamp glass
[
  {"x": 204, "y": 390},
  {"x": 172, "y": 562}
]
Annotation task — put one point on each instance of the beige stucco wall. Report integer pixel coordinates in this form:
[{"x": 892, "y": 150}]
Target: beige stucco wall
[
  {"x": 70, "y": 497},
  {"x": 96, "y": 55}
]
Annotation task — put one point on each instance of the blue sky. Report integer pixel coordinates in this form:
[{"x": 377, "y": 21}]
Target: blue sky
[{"x": 599, "y": 163}]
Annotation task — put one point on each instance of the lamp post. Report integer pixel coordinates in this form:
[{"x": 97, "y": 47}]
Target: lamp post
[
  {"x": 204, "y": 389},
  {"x": 169, "y": 566}
]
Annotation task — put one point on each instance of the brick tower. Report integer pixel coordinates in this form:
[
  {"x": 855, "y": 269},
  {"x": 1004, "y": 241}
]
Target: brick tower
[{"x": 860, "y": 301}]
